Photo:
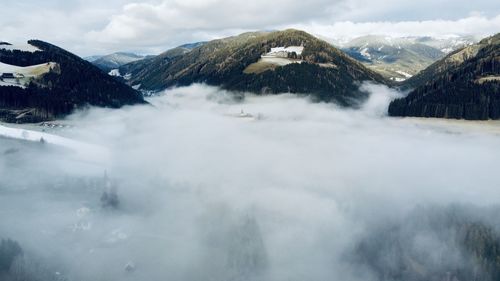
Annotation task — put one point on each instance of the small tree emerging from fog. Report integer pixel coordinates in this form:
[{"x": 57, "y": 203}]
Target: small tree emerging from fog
[
  {"x": 9, "y": 250},
  {"x": 109, "y": 198}
]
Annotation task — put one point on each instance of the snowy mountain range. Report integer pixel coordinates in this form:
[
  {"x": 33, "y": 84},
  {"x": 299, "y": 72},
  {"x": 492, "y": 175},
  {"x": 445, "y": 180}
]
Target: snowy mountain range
[
  {"x": 399, "y": 58},
  {"x": 463, "y": 85},
  {"x": 113, "y": 61}
]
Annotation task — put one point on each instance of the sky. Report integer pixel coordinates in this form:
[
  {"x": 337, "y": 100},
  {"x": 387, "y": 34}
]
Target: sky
[{"x": 94, "y": 27}]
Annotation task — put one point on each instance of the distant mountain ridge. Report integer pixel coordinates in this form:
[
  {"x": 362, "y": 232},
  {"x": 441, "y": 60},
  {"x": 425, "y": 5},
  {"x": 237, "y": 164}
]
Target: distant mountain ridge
[
  {"x": 191, "y": 46},
  {"x": 237, "y": 63},
  {"x": 137, "y": 68},
  {"x": 399, "y": 58},
  {"x": 114, "y": 61},
  {"x": 463, "y": 85}
]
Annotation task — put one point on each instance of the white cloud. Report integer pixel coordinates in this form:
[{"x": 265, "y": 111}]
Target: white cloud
[
  {"x": 177, "y": 21},
  {"x": 173, "y": 22},
  {"x": 97, "y": 27},
  {"x": 477, "y": 26}
]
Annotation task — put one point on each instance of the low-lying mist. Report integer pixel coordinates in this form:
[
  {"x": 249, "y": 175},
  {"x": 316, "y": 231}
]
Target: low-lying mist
[{"x": 200, "y": 186}]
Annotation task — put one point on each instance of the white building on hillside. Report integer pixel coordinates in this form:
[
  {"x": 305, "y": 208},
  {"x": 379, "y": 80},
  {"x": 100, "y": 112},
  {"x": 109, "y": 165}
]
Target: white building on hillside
[{"x": 283, "y": 52}]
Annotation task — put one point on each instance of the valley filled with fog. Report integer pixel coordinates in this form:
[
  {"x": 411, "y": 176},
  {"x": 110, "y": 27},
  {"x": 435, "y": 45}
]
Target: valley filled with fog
[{"x": 199, "y": 185}]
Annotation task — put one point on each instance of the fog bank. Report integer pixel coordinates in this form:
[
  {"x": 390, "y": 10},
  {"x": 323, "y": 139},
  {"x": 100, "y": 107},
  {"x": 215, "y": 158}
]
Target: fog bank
[{"x": 210, "y": 188}]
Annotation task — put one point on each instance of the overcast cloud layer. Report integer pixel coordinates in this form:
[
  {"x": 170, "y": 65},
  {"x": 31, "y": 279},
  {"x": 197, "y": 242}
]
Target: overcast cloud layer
[{"x": 99, "y": 27}]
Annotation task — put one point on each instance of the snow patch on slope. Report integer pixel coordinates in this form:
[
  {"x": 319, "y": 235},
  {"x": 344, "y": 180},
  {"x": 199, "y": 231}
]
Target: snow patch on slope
[
  {"x": 21, "y": 47},
  {"x": 405, "y": 74},
  {"x": 115, "y": 72},
  {"x": 365, "y": 53},
  {"x": 284, "y": 51},
  {"x": 82, "y": 149}
]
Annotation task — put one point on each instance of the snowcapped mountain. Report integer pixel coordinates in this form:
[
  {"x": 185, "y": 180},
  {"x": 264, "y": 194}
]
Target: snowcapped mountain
[
  {"x": 113, "y": 61},
  {"x": 92, "y": 58},
  {"x": 191, "y": 46},
  {"x": 463, "y": 85},
  {"x": 129, "y": 70},
  {"x": 399, "y": 58},
  {"x": 447, "y": 45}
]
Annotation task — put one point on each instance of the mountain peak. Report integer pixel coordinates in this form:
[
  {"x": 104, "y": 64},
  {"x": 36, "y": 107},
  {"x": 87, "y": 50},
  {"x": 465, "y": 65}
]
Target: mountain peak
[{"x": 261, "y": 62}]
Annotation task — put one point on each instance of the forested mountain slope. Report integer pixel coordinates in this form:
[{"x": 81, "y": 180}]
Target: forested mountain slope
[
  {"x": 463, "y": 85},
  {"x": 262, "y": 62},
  {"x": 64, "y": 83}
]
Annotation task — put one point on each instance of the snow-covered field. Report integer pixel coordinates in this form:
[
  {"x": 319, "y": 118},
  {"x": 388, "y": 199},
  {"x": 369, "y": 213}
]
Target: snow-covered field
[
  {"x": 21, "y": 47},
  {"x": 276, "y": 57},
  {"x": 490, "y": 78},
  {"x": 405, "y": 74},
  {"x": 281, "y": 51},
  {"x": 24, "y": 74},
  {"x": 33, "y": 70},
  {"x": 82, "y": 149}
]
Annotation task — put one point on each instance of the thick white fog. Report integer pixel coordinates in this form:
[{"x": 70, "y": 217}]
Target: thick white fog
[{"x": 212, "y": 188}]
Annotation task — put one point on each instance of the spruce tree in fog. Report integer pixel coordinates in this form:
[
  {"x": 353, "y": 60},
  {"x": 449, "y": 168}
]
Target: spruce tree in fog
[
  {"x": 9, "y": 250},
  {"x": 109, "y": 198}
]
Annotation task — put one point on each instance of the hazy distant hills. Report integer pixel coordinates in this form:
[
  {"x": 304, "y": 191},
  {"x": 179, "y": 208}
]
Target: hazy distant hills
[
  {"x": 399, "y": 58},
  {"x": 113, "y": 61},
  {"x": 40, "y": 81},
  {"x": 465, "y": 84},
  {"x": 260, "y": 62},
  {"x": 137, "y": 68}
]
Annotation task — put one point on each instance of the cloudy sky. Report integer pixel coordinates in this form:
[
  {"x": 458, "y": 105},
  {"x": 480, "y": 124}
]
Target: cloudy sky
[{"x": 89, "y": 27}]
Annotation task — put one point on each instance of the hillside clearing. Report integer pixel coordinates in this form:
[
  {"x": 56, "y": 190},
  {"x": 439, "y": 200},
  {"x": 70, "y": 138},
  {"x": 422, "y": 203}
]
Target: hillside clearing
[{"x": 23, "y": 75}]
